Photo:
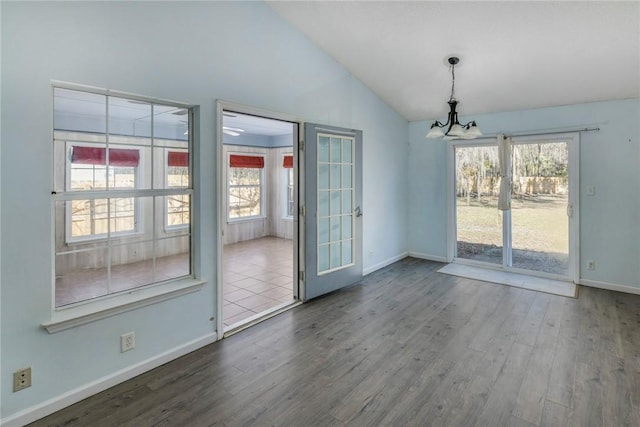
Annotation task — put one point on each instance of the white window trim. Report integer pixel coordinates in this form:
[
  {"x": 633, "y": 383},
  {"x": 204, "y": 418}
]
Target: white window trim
[
  {"x": 263, "y": 187},
  {"x": 69, "y": 239},
  {"x": 286, "y": 215},
  {"x": 90, "y": 310}
]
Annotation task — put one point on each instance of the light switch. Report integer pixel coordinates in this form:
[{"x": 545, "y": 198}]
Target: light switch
[{"x": 591, "y": 190}]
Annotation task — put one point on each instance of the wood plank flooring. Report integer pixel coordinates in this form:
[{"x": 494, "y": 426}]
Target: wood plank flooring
[{"x": 406, "y": 346}]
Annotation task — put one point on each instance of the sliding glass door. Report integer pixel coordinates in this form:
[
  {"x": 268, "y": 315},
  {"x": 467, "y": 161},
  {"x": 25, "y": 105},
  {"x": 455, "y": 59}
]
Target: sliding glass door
[
  {"x": 479, "y": 222},
  {"x": 539, "y": 207},
  {"x": 537, "y": 230}
]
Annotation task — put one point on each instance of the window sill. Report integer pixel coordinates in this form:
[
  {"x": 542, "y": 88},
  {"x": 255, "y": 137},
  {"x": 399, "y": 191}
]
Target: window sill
[
  {"x": 102, "y": 238},
  {"x": 176, "y": 228},
  {"x": 247, "y": 219},
  {"x": 66, "y": 318}
]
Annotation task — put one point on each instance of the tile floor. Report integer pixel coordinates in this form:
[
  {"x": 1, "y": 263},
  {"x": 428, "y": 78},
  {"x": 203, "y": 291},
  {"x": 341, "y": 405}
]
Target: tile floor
[
  {"x": 84, "y": 284},
  {"x": 257, "y": 275}
]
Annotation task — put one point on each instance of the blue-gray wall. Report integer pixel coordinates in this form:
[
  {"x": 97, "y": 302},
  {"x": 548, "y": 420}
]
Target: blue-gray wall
[
  {"x": 609, "y": 160},
  {"x": 191, "y": 52}
]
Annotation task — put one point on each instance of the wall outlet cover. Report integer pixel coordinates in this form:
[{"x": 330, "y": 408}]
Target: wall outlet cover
[
  {"x": 127, "y": 341},
  {"x": 22, "y": 379}
]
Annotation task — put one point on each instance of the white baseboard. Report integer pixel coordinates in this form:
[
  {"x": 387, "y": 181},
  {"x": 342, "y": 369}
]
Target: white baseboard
[
  {"x": 428, "y": 257},
  {"x": 384, "y": 263},
  {"x": 50, "y": 406},
  {"x": 610, "y": 286}
]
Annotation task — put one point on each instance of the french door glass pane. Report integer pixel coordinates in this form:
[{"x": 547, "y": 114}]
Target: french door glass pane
[
  {"x": 335, "y": 203},
  {"x": 479, "y": 222},
  {"x": 540, "y": 225}
]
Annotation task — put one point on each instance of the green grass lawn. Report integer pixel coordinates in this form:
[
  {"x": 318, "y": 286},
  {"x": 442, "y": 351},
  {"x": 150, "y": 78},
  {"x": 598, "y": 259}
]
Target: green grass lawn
[{"x": 539, "y": 223}]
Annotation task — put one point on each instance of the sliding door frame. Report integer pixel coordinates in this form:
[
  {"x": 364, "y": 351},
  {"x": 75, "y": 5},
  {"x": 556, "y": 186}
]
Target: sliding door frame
[{"x": 573, "y": 146}]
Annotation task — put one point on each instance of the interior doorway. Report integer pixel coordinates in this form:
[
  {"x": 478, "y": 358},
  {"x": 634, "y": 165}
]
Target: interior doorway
[
  {"x": 537, "y": 233},
  {"x": 258, "y": 214}
]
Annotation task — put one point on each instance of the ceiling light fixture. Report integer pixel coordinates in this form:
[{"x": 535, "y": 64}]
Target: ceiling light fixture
[
  {"x": 454, "y": 130},
  {"x": 232, "y": 131}
]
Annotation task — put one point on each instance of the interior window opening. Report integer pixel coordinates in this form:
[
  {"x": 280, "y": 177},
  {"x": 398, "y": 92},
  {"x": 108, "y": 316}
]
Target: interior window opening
[{"x": 121, "y": 165}]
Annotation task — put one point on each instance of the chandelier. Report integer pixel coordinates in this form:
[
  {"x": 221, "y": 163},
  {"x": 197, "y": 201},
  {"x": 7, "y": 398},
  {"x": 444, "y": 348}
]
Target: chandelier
[{"x": 454, "y": 129}]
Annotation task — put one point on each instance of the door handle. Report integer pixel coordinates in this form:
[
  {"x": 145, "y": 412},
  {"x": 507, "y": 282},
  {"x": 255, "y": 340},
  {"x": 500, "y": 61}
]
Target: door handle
[
  {"x": 358, "y": 212},
  {"x": 570, "y": 211}
]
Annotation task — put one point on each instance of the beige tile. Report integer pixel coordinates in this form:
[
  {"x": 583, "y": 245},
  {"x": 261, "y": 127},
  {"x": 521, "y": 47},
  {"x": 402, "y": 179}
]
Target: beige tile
[
  {"x": 254, "y": 271},
  {"x": 254, "y": 301},
  {"x": 230, "y": 277},
  {"x": 247, "y": 283},
  {"x": 286, "y": 299},
  {"x": 277, "y": 293},
  {"x": 285, "y": 272},
  {"x": 260, "y": 287},
  {"x": 233, "y": 268},
  {"x": 267, "y": 276},
  {"x": 227, "y": 288},
  {"x": 267, "y": 306},
  {"x": 262, "y": 269},
  {"x": 238, "y": 295},
  {"x": 233, "y": 310},
  {"x": 237, "y": 318},
  {"x": 280, "y": 280}
]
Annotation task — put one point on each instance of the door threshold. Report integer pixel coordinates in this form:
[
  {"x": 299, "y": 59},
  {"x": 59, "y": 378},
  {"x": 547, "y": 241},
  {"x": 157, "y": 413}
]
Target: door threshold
[
  {"x": 533, "y": 283},
  {"x": 259, "y": 317}
]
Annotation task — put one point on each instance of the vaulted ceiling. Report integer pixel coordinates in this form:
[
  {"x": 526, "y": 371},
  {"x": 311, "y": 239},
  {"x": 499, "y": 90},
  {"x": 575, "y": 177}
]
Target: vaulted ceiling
[{"x": 514, "y": 55}]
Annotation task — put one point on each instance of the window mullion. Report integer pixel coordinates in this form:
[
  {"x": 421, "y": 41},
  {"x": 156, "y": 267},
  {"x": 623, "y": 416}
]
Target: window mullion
[
  {"x": 108, "y": 200},
  {"x": 90, "y": 195}
]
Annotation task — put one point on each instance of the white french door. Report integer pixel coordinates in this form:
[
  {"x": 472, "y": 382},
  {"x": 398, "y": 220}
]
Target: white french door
[{"x": 538, "y": 233}]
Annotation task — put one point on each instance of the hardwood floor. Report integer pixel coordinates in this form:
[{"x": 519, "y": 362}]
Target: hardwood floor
[{"x": 406, "y": 346}]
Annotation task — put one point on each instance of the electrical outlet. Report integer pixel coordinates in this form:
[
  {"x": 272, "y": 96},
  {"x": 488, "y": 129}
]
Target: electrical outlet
[
  {"x": 21, "y": 379},
  {"x": 127, "y": 341},
  {"x": 591, "y": 265}
]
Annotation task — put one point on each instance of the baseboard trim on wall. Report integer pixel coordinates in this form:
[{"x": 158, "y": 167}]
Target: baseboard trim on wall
[
  {"x": 428, "y": 257},
  {"x": 384, "y": 263},
  {"x": 610, "y": 286},
  {"x": 50, "y": 406}
]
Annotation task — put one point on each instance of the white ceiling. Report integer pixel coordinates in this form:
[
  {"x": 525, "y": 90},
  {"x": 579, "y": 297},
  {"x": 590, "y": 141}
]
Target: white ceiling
[
  {"x": 514, "y": 55},
  {"x": 256, "y": 125},
  {"x": 78, "y": 104}
]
